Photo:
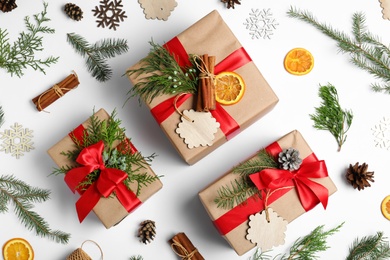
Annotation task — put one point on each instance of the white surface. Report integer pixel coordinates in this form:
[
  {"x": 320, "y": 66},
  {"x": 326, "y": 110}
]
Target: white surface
[{"x": 177, "y": 208}]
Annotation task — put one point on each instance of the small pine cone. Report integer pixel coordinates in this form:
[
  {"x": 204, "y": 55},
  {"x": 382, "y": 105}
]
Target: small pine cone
[
  {"x": 147, "y": 231},
  {"x": 289, "y": 159},
  {"x": 73, "y": 11},
  {"x": 358, "y": 176},
  {"x": 230, "y": 3},
  {"x": 7, "y": 5}
]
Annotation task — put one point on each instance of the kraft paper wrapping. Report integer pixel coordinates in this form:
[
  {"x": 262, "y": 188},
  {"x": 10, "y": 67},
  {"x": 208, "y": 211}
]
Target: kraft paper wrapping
[
  {"x": 211, "y": 35},
  {"x": 288, "y": 206},
  {"x": 109, "y": 210}
]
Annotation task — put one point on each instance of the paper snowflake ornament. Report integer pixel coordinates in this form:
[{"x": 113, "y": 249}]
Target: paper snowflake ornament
[
  {"x": 197, "y": 128},
  {"x": 261, "y": 24},
  {"x": 109, "y": 13},
  {"x": 16, "y": 140},
  {"x": 266, "y": 234},
  {"x": 158, "y": 9},
  {"x": 381, "y": 133}
]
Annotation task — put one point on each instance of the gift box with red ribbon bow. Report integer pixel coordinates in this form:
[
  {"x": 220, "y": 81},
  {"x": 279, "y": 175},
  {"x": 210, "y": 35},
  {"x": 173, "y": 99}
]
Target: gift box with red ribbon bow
[
  {"x": 108, "y": 197},
  {"x": 212, "y": 35},
  {"x": 293, "y": 192}
]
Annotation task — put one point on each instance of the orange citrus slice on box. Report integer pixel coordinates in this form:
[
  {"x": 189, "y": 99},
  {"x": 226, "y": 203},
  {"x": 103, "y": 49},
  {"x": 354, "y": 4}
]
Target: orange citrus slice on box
[
  {"x": 385, "y": 207},
  {"x": 18, "y": 249},
  {"x": 229, "y": 88},
  {"x": 299, "y": 61}
]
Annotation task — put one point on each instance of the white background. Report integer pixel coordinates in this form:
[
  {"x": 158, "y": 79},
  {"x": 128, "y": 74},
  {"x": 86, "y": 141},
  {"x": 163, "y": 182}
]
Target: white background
[{"x": 177, "y": 208}]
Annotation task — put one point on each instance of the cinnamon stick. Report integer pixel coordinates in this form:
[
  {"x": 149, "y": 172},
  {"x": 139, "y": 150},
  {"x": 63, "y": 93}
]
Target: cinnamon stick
[
  {"x": 184, "y": 248},
  {"x": 205, "y": 83},
  {"x": 206, "y": 89},
  {"x": 49, "y": 96},
  {"x": 212, "y": 99}
]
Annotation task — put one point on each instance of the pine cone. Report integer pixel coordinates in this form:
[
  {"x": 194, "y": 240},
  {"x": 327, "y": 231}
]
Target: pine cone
[
  {"x": 73, "y": 11},
  {"x": 147, "y": 231},
  {"x": 358, "y": 176},
  {"x": 230, "y": 3},
  {"x": 289, "y": 159},
  {"x": 7, "y": 5}
]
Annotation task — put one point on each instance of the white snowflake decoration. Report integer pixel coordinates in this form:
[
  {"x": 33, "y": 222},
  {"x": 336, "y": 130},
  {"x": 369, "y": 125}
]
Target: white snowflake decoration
[
  {"x": 261, "y": 24},
  {"x": 381, "y": 133},
  {"x": 109, "y": 13},
  {"x": 16, "y": 140}
]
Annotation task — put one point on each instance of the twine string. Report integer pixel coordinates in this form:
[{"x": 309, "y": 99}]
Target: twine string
[
  {"x": 177, "y": 110},
  {"x": 101, "y": 251},
  {"x": 269, "y": 193},
  {"x": 186, "y": 255},
  {"x": 204, "y": 70}
]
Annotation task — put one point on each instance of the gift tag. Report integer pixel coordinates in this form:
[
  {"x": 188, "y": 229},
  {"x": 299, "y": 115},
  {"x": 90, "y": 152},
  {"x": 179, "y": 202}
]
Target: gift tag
[
  {"x": 385, "y": 4},
  {"x": 266, "y": 234},
  {"x": 197, "y": 128},
  {"x": 159, "y": 9}
]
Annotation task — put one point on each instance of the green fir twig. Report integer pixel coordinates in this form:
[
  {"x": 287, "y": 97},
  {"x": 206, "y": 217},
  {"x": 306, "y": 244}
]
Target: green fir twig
[
  {"x": 23, "y": 196},
  {"x": 136, "y": 257},
  {"x": 97, "y": 54},
  {"x": 365, "y": 50},
  {"x": 370, "y": 247},
  {"x": 1, "y": 116},
  {"x": 330, "y": 116},
  {"x": 21, "y": 54}
]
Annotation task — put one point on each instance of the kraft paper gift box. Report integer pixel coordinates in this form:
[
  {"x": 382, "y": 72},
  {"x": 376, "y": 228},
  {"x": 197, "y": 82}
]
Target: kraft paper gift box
[
  {"x": 232, "y": 224},
  {"x": 109, "y": 209},
  {"x": 211, "y": 35}
]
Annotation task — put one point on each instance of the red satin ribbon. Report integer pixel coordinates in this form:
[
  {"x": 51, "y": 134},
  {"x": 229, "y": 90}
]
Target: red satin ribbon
[
  {"x": 235, "y": 60},
  {"x": 110, "y": 180},
  {"x": 308, "y": 190}
]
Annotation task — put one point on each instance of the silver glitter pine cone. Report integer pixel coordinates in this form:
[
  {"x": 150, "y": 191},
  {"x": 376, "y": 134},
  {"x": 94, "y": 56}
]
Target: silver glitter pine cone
[{"x": 289, "y": 159}]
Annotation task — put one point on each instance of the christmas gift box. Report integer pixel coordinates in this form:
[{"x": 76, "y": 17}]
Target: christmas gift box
[
  {"x": 280, "y": 183},
  {"x": 172, "y": 104},
  {"x": 103, "y": 166}
]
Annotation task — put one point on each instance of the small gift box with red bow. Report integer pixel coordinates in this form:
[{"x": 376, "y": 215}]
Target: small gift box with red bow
[
  {"x": 280, "y": 183},
  {"x": 194, "y": 134},
  {"x": 103, "y": 166}
]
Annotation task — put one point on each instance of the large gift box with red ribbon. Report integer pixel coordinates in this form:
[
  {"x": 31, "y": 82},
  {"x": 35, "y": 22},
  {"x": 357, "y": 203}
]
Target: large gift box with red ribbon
[
  {"x": 108, "y": 197},
  {"x": 289, "y": 193},
  {"x": 211, "y": 35}
]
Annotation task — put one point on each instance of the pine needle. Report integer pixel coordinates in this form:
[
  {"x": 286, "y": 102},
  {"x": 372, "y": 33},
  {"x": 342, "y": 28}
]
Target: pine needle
[
  {"x": 22, "y": 196},
  {"x": 365, "y": 50},
  {"x": 369, "y": 247},
  {"x": 138, "y": 257},
  {"x": 97, "y": 53},
  {"x": 330, "y": 116}
]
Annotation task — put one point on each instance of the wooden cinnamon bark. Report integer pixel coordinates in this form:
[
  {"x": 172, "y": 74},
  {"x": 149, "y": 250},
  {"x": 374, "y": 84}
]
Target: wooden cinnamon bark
[{"x": 184, "y": 248}]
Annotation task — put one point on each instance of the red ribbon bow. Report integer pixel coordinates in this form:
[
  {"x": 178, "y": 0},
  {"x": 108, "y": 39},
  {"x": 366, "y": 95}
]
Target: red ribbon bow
[
  {"x": 110, "y": 180},
  {"x": 310, "y": 193}
]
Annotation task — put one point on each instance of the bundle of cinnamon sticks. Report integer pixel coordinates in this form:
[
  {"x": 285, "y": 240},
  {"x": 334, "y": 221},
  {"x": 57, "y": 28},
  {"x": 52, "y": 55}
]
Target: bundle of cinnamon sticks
[
  {"x": 47, "y": 97},
  {"x": 206, "y": 89},
  {"x": 184, "y": 248}
]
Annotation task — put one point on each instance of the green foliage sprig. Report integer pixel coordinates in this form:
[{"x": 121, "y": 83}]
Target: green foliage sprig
[
  {"x": 1, "y": 116},
  {"x": 365, "y": 50},
  {"x": 110, "y": 131},
  {"x": 97, "y": 54},
  {"x": 304, "y": 248},
  {"x": 370, "y": 247},
  {"x": 23, "y": 196},
  {"x": 137, "y": 257},
  {"x": 241, "y": 189},
  {"x": 20, "y": 55},
  {"x": 330, "y": 116},
  {"x": 161, "y": 74}
]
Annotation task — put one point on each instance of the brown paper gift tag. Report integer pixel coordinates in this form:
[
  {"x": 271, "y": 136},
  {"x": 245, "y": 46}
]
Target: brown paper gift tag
[
  {"x": 211, "y": 35},
  {"x": 109, "y": 210},
  {"x": 288, "y": 206}
]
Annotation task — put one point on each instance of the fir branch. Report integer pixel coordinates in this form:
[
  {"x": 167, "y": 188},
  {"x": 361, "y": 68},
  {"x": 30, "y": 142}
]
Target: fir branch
[
  {"x": 159, "y": 74},
  {"x": 22, "y": 196},
  {"x": 20, "y": 55},
  {"x": 1, "y": 116},
  {"x": 97, "y": 53},
  {"x": 330, "y": 116},
  {"x": 263, "y": 160},
  {"x": 137, "y": 257},
  {"x": 369, "y": 247},
  {"x": 365, "y": 50}
]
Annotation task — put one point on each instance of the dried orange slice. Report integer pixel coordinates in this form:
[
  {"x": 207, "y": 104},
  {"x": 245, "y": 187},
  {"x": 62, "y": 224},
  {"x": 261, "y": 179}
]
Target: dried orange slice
[
  {"x": 299, "y": 61},
  {"x": 18, "y": 249},
  {"x": 229, "y": 88},
  {"x": 385, "y": 207}
]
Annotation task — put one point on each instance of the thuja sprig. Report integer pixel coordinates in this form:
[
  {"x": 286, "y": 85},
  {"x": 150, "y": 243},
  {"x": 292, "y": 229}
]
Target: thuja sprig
[
  {"x": 21, "y": 54},
  {"x": 23, "y": 196},
  {"x": 97, "y": 54},
  {"x": 160, "y": 74},
  {"x": 365, "y": 50},
  {"x": 239, "y": 190},
  {"x": 369, "y": 247},
  {"x": 330, "y": 116}
]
